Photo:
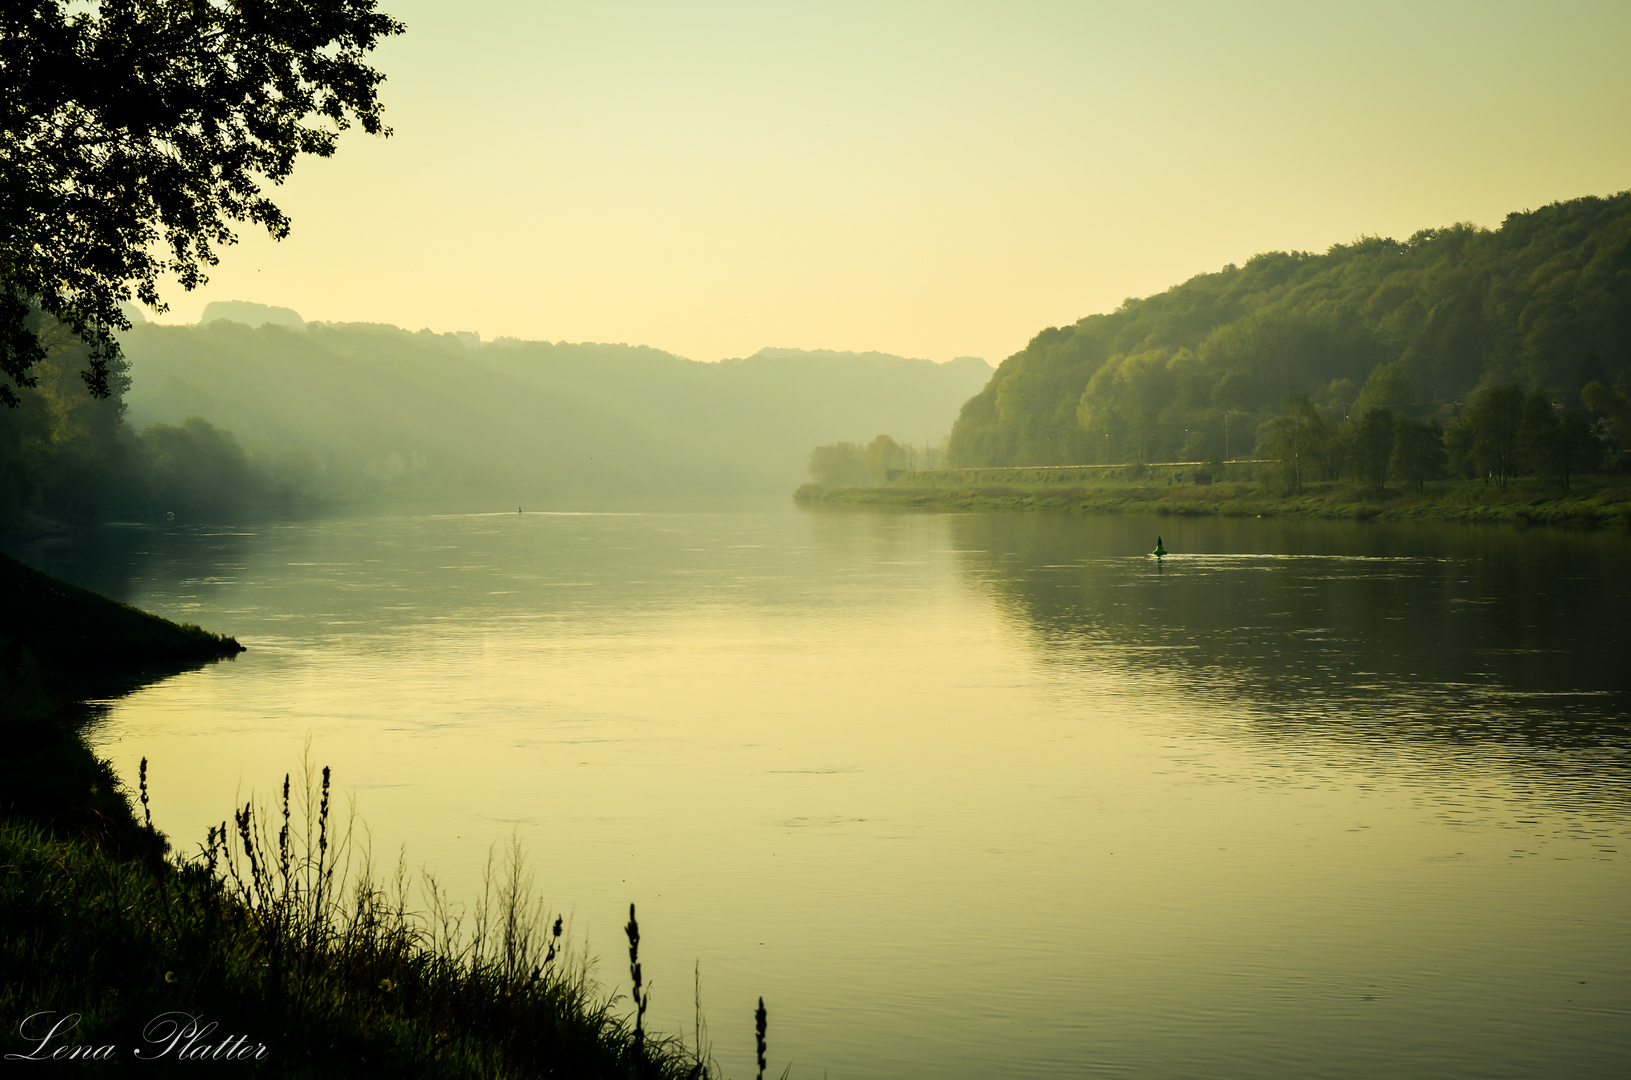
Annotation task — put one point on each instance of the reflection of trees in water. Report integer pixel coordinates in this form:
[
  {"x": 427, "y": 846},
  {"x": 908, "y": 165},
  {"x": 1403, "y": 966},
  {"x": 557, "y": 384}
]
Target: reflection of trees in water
[
  {"x": 114, "y": 559},
  {"x": 1478, "y": 634}
]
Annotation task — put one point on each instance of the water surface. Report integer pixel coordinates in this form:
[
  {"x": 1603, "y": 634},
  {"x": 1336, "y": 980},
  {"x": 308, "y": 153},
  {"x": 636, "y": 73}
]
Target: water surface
[{"x": 965, "y": 796}]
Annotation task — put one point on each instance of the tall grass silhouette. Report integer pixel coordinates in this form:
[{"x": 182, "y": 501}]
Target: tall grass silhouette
[{"x": 282, "y": 926}]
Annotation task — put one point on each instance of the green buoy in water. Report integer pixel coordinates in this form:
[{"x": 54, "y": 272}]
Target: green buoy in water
[{"x": 1159, "y": 552}]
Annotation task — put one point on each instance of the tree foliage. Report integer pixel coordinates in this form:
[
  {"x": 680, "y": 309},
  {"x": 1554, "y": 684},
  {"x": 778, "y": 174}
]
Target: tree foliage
[
  {"x": 1299, "y": 440},
  {"x": 841, "y": 464},
  {"x": 884, "y": 456},
  {"x": 1370, "y": 439},
  {"x": 1613, "y": 424},
  {"x": 1418, "y": 452},
  {"x": 72, "y": 456},
  {"x": 1387, "y": 387},
  {"x": 136, "y": 134},
  {"x": 61, "y": 447},
  {"x": 1543, "y": 301},
  {"x": 1495, "y": 418},
  {"x": 847, "y": 464}
]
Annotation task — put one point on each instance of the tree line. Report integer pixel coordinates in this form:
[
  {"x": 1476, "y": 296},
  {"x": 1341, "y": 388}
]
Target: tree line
[
  {"x": 847, "y": 464},
  {"x": 71, "y": 456},
  {"x": 1502, "y": 433}
]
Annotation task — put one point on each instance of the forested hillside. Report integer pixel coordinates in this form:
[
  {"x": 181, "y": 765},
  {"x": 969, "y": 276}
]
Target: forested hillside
[
  {"x": 1543, "y": 302},
  {"x": 219, "y": 418}
]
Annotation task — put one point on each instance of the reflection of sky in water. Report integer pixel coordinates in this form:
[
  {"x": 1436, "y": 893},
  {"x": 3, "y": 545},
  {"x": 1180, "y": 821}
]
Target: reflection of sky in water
[{"x": 967, "y": 795}]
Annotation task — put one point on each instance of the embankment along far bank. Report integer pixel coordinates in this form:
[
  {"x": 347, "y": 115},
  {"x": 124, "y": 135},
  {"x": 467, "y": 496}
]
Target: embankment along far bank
[{"x": 1591, "y": 502}]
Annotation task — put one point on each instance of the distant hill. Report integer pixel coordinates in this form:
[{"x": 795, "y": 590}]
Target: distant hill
[
  {"x": 250, "y": 314},
  {"x": 445, "y": 416},
  {"x": 1543, "y": 301}
]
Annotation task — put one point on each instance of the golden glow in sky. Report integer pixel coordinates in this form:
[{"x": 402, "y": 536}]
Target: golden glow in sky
[{"x": 929, "y": 179}]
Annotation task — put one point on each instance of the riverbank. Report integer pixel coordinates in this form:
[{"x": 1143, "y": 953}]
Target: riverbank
[
  {"x": 60, "y": 647},
  {"x": 275, "y": 946},
  {"x": 63, "y": 643},
  {"x": 282, "y": 967},
  {"x": 1595, "y": 501}
]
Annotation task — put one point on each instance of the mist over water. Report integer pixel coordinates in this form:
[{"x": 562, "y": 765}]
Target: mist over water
[{"x": 964, "y": 796}]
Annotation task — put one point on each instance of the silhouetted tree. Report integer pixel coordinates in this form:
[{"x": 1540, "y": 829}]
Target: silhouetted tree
[
  {"x": 63, "y": 452},
  {"x": 1600, "y": 399},
  {"x": 134, "y": 134}
]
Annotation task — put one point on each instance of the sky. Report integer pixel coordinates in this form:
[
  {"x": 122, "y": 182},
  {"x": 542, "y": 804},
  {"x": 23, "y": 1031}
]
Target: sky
[{"x": 927, "y": 179}]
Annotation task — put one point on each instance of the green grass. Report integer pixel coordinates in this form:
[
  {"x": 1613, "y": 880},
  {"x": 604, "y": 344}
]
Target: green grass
[
  {"x": 279, "y": 930},
  {"x": 1595, "y": 501}
]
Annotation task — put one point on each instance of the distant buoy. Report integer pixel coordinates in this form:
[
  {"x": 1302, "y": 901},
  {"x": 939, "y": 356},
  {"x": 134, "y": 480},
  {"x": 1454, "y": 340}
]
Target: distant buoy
[{"x": 1160, "y": 551}]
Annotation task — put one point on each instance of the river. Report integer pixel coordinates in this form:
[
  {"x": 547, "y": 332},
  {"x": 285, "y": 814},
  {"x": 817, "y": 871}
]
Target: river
[{"x": 963, "y": 795}]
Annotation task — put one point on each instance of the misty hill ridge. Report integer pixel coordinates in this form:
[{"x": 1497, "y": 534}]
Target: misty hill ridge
[
  {"x": 253, "y": 315},
  {"x": 250, "y": 314},
  {"x": 546, "y": 423},
  {"x": 1544, "y": 301}
]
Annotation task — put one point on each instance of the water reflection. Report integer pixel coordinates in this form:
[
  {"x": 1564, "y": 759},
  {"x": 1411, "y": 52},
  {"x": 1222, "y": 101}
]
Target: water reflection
[
  {"x": 128, "y": 560},
  {"x": 1349, "y": 630},
  {"x": 968, "y": 796}
]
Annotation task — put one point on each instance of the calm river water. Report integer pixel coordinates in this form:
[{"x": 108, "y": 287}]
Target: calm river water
[{"x": 965, "y": 796}]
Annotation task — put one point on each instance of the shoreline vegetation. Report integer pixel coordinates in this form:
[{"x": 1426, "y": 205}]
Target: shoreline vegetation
[
  {"x": 1233, "y": 490},
  {"x": 60, "y": 647},
  {"x": 279, "y": 947},
  {"x": 277, "y": 944}
]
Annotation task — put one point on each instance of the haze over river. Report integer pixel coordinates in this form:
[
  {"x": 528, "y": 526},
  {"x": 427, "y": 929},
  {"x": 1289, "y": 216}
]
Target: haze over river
[{"x": 964, "y": 796}]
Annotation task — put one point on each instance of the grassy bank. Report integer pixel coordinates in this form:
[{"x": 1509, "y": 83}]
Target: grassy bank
[
  {"x": 276, "y": 930},
  {"x": 61, "y": 643},
  {"x": 61, "y": 646},
  {"x": 1594, "y": 501},
  {"x": 304, "y": 962}
]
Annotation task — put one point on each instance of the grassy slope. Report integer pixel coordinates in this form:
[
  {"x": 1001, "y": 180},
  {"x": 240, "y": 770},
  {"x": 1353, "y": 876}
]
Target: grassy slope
[
  {"x": 1595, "y": 501},
  {"x": 348, "y": 987},
  {"x": 61, "y": 639},
  {"x": 95, "y": 919},
  {"x": 59, "y": 646}
]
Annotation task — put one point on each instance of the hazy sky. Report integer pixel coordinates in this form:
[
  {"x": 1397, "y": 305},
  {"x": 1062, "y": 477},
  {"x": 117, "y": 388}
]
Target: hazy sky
[{"x": 930, "y": 179}]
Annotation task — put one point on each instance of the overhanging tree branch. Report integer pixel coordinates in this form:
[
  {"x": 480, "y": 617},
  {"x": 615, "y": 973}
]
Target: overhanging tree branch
[{"x": 134, "y": 135}]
